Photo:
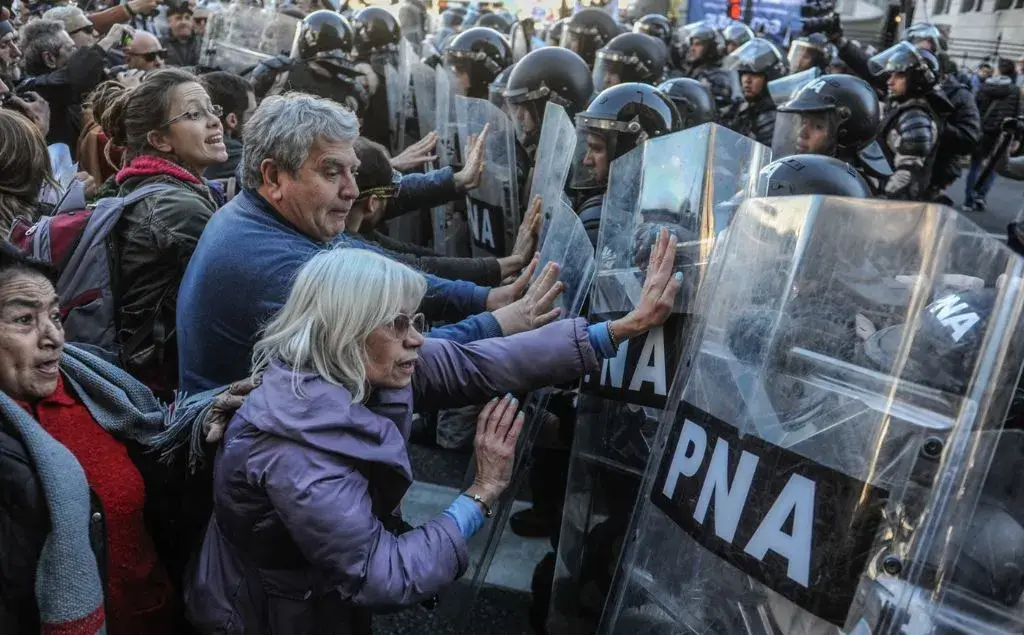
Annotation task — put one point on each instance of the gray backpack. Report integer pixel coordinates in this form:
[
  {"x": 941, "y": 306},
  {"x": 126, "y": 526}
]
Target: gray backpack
[{"x": 77, "y": 244}]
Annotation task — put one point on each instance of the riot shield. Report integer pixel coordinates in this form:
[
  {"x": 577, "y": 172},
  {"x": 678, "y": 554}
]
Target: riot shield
[
  {"x": 241, "y": 36},
  {"x": 687, "y": 182},
  {"x": 825, "y": 462},
  {"x": 396, "y": 89},
  {"x": 567, "y": 244},
  {"x": 553, "y": 159},
  {"x": 424, "y": 89},
  {"x": 449, "y": 228},
  {"x": 407, "y": 227},
  {"x": 782, "y": 89},
  {"x": 493, "y": 207}
]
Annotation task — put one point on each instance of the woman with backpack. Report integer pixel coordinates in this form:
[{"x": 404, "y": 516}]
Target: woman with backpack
[{"x": 171, "y": 132}]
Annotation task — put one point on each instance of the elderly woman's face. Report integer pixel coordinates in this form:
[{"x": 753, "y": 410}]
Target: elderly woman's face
[
  {"x": 31, "y": 337},
  {"x": 195, "y": 134},
  {"x": 392, "y": 350}
]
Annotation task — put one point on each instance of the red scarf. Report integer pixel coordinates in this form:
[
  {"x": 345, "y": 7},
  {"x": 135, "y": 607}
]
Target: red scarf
[{"x": 149, "y": 165}]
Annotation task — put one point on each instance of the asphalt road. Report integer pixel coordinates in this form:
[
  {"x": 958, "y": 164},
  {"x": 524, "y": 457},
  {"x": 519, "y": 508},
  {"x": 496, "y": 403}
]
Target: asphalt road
[{"x": 1005, "y": 204}]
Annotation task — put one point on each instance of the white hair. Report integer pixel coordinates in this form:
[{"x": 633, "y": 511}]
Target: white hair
[
  {"x": 285, "y": 127},
  {"x": 338, "y": 298},
  {"x": 64, "y": 14}
]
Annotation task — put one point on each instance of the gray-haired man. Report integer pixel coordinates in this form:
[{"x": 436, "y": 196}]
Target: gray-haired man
[{"x": 297, "y": 171}]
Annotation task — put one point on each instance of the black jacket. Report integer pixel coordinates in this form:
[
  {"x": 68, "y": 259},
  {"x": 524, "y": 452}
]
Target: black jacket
[
  {"x": 590, "y": 213},
  {"x": 998, "y": 99},
  {"x": 754, "y": 119},
  {"x": 961, "y": 133},
  {"x": 183, "y": 52},
  {"x": 25, "y": 524},
  {"x": 65, "y": 90}
]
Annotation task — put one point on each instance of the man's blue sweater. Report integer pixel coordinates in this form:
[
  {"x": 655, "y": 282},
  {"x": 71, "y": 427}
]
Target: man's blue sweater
[{"x": 240, "y": 275}]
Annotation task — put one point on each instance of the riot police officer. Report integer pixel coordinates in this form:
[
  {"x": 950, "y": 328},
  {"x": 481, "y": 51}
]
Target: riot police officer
[
  {"x": 736, "y": 35},
  {"x": 757, "y": 62},
  {"x": 548, "y": 74},
  {"x": 553, "y": 35},
  {"x": 703, "y": 47},
  {"x": 477, "y": 56},
  {"x": 495, "y": 21},
  {"x": 834, "y": 115},
  {"x": 587, "y": 32},
  {"x": 617, "y": 120},
  {"x": 914, "y": 116},
  {"x": 376, "y": 38},
  {"x": 630, "y": 57},
  {"x": 656, "y": 26},
  {"x": 692, "y": 99},
  {"x": 809, "y": 51},
  {"x": 806, "y": 174},
  {"x": 319, "y": 64}
]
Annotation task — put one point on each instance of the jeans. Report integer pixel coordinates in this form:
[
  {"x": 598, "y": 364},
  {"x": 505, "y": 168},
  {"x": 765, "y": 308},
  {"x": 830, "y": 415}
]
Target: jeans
[{"x": 973, "y": 174}]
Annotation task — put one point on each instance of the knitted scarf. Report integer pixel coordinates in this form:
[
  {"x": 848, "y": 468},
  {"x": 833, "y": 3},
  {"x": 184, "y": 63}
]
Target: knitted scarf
[{"x": 68, "y": 589}]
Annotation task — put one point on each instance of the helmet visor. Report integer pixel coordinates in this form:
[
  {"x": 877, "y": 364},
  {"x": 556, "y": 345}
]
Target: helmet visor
[
  {"x": 756, "y": 56},
  {"x": 898, "y": 58},
  {"x": 805, "y": 133},
  {"x": 527, "y": 119},
  {"x": 803, "y": 55},
  {"x": 595, "y": 151},
  {"x": 920, "y": 34},
  {"x": 609, "y": 71},
  {"x": 783, "y": 88}
]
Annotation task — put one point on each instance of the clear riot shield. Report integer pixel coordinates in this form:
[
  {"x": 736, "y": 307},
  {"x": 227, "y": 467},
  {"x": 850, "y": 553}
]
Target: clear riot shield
[
  {"x": 493, "y": 207},
  {"x": 241, "y": 36},
  {"x": 448, "y": 225},
  {"x": 407, "y": 227},
  {"x": 567, "y": 244},
  {"x": 826, "y": 465},
  {"x": 396, "y": 88},
  {"x": 555, "y": 151},
  {"x": 782, "y": 89},
  {"x": 424, "y": 90},
  {"x": 687, "y": 182}
]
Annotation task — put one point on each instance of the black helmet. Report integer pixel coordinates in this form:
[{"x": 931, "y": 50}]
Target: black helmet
[
  {"x": 496, "y": 89},
  {"x": 323, "y": 34},
  {"x": 481, "y": 53},
  {"x": 920, "y": 67},
  {"x": 736, "y": 35},
  {"x": 623, "y": 116},
  {"x": 854, "y": 101},
  {"x": 376, "y": 31},
  {"x": 548, "y": 74},
  {"x": 922, "y": 32},
  {"x": 635, "y": 9},
  {"x": 496, "y": 22},
  {"x": 757, "y": 56},
  {"x": 806, "y": 174},
  {"x": 809, "y": 51},
  {"x": 693, "y": 100},
  {"x": 630, "y": 57},
  {"x": 587, "y": 32},
  {"x": 656, "y": 26},
  {"x": 553, "y": 36},
  {"x": 707, "y": 35},
  {"x": 451, "y": 18}
]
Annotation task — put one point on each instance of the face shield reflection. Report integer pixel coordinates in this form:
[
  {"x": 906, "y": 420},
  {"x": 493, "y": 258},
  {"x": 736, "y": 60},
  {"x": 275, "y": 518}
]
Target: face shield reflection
[
  {"x": 594, "y": 152},
  {"x": 527, "y": 123},
  {"x": 805, "y": 133},
  {"x": 802, "y": 56}
]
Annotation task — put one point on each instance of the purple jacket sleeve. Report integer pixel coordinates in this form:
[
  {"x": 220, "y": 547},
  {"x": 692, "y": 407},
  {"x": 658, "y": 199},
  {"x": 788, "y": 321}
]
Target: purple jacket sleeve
[
  {"x": 451, "y": 375},
  {"x": 329, "y": 515}
]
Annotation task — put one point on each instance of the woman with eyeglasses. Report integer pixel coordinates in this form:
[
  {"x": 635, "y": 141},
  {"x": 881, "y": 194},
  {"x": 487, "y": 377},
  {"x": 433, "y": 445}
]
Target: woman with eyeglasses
[
  {"x": 306, "y": 534},
  {"x": 171, "y": 132}
]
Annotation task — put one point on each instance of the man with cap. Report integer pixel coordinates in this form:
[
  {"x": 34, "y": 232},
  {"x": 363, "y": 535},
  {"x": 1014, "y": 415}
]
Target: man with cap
[{"x": 183, "y": 45}]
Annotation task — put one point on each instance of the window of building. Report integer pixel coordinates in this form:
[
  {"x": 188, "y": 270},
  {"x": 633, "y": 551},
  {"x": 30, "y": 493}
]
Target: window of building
[
  {"x": 966, "y": 5},
  {"x": 1019, "y": 5},
  {"x": 1002, "y": 5}
]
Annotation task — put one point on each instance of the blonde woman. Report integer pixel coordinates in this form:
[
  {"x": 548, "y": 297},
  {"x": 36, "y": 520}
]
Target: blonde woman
[{"x": 305, "y": 536}]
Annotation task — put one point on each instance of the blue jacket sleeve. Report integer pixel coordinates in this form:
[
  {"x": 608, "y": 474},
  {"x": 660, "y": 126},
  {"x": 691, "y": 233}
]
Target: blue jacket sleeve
[
  {"x": 421, "y": 191},
  {"x": 478, "y": 327}
]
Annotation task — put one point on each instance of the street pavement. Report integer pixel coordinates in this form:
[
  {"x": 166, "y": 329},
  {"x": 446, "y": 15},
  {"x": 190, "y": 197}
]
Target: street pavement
[{"x": 1005, "y": 203}]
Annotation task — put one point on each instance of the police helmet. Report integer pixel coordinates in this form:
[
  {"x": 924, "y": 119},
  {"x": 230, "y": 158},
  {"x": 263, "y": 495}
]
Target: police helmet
[
  {"x": 757, "y": 56},
  {"x": 920, "y": 67},
  {"x": 706, "y": 35},
  {"x": 451, "y": 18},
  {"x": 630, "y": 57},
  {"x": 587, "y": 32},
  {"x": 496, "y": 89},
  {"x": 921, "y": 33},
  {"x": 496, "y": 22},
  {"x": 813, "y": 50},
  {"x": 736, "y": 35},
  {"x": 547, "y": 74},
  {"x": 623, "y": 116},
  {"x": 854, "y": 101},
  {"x": 656, "y": 26},
  {"x": 553, "y": 35},
  {"x": 806, "y": 174},
  {"x": 482, "y": 53},
  {"x": 693, "y": 100},
  {"x": 323, "y": 34},
  {"x": 376, "y": 31}
]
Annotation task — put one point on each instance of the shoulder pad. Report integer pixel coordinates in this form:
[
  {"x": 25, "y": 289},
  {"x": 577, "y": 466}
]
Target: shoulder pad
[{"x": 917, "y": 133}]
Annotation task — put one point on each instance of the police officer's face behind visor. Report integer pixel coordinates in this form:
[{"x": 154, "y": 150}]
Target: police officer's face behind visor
[
  {"x": 813, "y": 137},
  {"x": 752, "y": 84},
  {"x": 897, "y": 84},
  {"x": 696, "y": 51},
  {"x": 596, "y": 158}
]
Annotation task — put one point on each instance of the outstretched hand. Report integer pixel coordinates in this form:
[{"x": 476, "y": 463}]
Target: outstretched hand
[
  {"x": 659, "y": 291},
  {"x": 469, "y": 176},
  {"x": 536, "y": 306},
  {"x": 416, "y": 155}
]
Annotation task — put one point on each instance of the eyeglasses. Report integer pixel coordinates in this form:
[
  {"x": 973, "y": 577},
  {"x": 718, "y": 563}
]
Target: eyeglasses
[
  {"x": 88, "y": 28},
  {"x": 196, "y": 113},
  {"x": 151, "y": 57},
  {"x": 400, "y": 325}
]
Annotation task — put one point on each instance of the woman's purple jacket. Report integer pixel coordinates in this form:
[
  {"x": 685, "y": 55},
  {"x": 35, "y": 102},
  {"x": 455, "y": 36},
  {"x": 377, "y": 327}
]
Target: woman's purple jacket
[{"x": 307, "y": 488}]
